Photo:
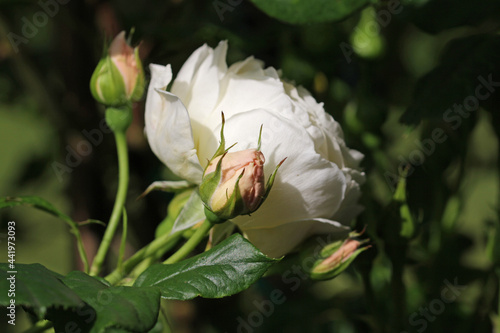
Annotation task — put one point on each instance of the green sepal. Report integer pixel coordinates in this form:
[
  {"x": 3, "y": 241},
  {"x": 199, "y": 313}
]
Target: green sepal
[
  {"x": 108, "y": 80},
  {"x": 140, "y": 83},
  {"x": 270, "y": 182},
  {"x": 330, "y": 249},
  {"x": 212, "y": 217},
  {"x": 222, "y": 145},
  {"x": 259, "y": 142},
  {"x": 210, "y": 182},
  {"x": 119, "y": 119},
  {"x": 234, "y": 205}
]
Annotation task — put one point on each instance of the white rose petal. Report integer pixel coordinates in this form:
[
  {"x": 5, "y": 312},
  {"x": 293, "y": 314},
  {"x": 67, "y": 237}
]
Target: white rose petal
[
  {"x": 266, "y": 239},
  {"x": 168, "y": 128}
]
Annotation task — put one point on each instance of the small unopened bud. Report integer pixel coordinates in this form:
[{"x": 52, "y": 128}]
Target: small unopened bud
[
  {"x": 241, "y": 185},
  {"x": 336, "y": 257},
  {"x": 119, "y": 77},
  {"x": 233, "y": 183}
]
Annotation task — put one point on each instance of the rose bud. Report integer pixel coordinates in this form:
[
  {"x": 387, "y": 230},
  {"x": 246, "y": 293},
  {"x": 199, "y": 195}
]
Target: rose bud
[
  {"x": 336, "y": 257},
  {"x": 119, "y": 77},
  {"x": 233, "y": 183}
]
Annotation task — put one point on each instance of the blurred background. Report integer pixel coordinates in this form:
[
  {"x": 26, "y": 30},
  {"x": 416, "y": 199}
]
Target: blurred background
[{"x": 401, "y": 77}]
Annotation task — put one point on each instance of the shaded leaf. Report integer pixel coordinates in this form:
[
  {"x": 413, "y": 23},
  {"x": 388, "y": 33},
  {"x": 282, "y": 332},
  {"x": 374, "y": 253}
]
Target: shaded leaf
[
  {"x": 309, "y": 11},
  {"x": 117, "y": 309},
  {"x": 226, "y": 269}
]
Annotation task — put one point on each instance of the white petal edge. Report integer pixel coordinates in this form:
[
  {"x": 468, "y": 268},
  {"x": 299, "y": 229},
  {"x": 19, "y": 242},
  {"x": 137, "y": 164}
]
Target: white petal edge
[
  {"x": 278, "y": 241},
  {"x": 198, "y": 81}
]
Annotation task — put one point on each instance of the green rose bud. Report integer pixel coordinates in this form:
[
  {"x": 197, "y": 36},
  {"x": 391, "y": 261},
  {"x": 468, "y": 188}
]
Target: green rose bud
[{"x": 119, "y": 77}]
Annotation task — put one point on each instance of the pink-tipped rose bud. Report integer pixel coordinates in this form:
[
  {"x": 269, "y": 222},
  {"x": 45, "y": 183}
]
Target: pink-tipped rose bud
[
  {"x": 336, "y": 257},
  {"x": 245, "y": 167},
  {"x": 119, "y": 77},
  {"x": 233, "y": 183}
]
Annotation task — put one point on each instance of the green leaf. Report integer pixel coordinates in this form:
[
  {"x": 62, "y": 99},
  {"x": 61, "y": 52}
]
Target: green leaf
[
  {"x": 117, "y": 309},
  {"x": 228, "y": 268},
  {"x": 309, "y": 11},
  {"x": 91, "y": 221},
  {"x": 466, "y": 65},
  {"x": 36, "y": 288},
  {"x": 35, "y": 202}
]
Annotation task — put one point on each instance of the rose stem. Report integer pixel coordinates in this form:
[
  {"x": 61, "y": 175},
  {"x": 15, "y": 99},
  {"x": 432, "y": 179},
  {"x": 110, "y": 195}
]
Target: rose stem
[
  {"x": 159, "y": 245},
  {"x": 189, "y": 246},
  {"x": 121, "y": 194}
]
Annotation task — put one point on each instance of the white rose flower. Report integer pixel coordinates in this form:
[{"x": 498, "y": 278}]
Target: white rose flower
[{"x": 317, "y": 188}]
